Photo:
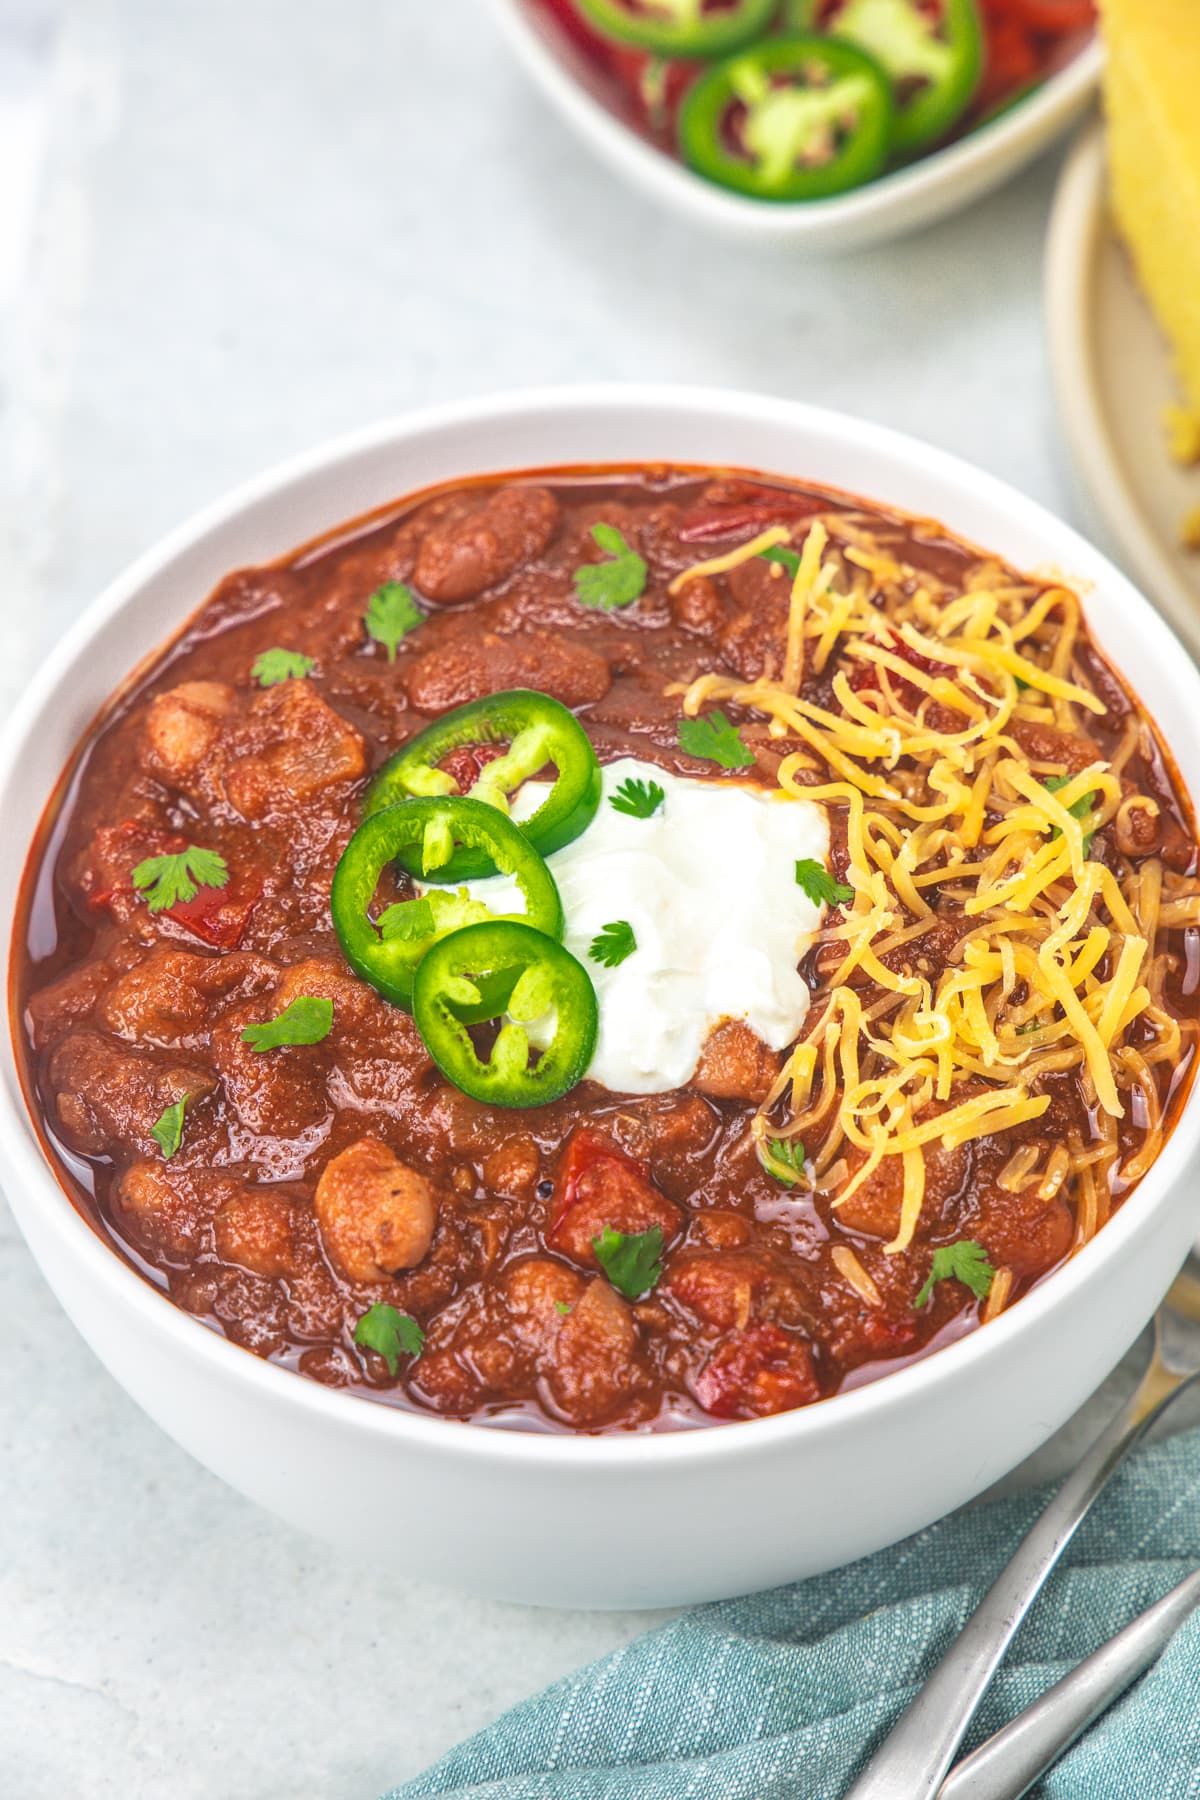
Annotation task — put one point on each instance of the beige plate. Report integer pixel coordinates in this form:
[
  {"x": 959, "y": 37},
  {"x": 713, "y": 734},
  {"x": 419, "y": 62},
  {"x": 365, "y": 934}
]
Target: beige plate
[{"x": 1112, "y": 376}]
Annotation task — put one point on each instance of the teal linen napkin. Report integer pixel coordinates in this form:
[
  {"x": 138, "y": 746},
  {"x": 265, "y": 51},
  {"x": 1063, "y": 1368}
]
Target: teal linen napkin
[{"x": 779, "y": 1696}]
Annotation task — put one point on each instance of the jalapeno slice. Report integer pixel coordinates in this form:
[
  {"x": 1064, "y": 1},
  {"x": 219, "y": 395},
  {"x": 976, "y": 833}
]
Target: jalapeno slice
[
  {"x": 932, "y": 56},
  {"x": 794, "y": 118},
  {"x": 687, "y": 28},
  {"x": 538, "y": 731},
  {"x": 387, "y": 950},
  {"x": 541, "y": 980}
]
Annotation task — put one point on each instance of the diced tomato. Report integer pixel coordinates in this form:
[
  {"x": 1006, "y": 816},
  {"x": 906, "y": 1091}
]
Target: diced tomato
[
  {"x": 466, "y": 764},
  {"x": 599, "y": 1185},
  {"x": 216, "y": 916},
  {"x": 760, "y": 1371}
]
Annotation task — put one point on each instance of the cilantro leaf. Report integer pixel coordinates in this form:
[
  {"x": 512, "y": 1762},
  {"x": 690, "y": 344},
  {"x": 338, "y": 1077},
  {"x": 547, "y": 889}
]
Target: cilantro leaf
[
  {"x": 274, "y": 666},
  {"x": 618, "y": 582},
  {"x": 632, "y": 1263},
  {"x": 784, "y": 1159},
  {"x": 965, "y": 1261},
  {"x": 819, "y": 885},
  {"x": 407, "y": 919},
  {"x": 613, "y": 943},
  {"x": 716, "y": 740},
  {"x": 306, "y": 1021},
  {"x": 167, "y": 1130},
  {"x": 390, "y": 1334},
  {"x": 1078, "y": 809},
  {"x": 166, "y": 880},
  {"x": 640, "y": 799},
  {"x": 391, "y": 614},
  {"x": 562, "y": 1307},
  {"x": 787, "y": 559}
]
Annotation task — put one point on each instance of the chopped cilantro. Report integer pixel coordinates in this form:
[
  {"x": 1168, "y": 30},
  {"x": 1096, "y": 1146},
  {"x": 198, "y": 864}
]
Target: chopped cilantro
[
  {"x": 819, "y": 885},
  {"x": 167, "y": 880},
  {"x": 965, "y": 1261},
  {"x": 617, "y": 582},
  {"x": 408, "y": 919},
  {"x": 613, "y": 943},
  {"x": 716, "y": 740},
  {"x": 562, "y": 1307},
  {"x": 389, "y": 1333},
  {"x": 306, "y": 1021},
  {"x": 274, "y": 666},
  {"x": 784, "y": 1159},
  {"x": 787, "y": 559},
  {"x": 391, "y": 614},
  {"x": 633, "y": 1264},
  {"x": 1078, "y": 809},
  {"x": 167, "y": 1130},
  {"x": 640, "y": 799}
]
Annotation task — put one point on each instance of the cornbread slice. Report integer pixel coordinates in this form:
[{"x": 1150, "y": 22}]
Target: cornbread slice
[{"x": 1152, "y": 96}]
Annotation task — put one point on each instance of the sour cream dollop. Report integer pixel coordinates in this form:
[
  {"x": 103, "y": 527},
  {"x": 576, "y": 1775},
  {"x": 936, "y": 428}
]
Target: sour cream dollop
[{"x": 708, "y": 884}]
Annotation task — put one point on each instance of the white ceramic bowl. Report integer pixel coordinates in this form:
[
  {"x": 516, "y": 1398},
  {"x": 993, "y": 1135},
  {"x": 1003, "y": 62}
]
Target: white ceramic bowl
[
  {"x": 620, "y": 1520},
  {"x": 896, "y": 203}
]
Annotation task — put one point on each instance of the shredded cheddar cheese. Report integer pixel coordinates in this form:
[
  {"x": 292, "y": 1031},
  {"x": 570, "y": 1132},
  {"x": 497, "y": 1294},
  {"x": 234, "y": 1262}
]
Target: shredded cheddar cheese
[{"x": 949, "y": 816}]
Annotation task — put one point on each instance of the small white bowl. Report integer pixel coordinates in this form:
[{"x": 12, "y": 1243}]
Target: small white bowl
[
  {"x": 1113, "y": 381},
  {"x": 886, "y": 208},
  {"x": 620, "y": 1520}
]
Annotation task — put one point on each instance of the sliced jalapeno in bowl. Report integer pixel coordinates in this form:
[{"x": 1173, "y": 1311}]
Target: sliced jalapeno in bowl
[
  {"x": 792, "y": 118},
  {"x": 537, "y": 731},
  {"x": 687, "y": 28},
  {"x": 933, "y": 56},
  {"x": 386, "y": 950},
  {"x": 540, "y": 978}
]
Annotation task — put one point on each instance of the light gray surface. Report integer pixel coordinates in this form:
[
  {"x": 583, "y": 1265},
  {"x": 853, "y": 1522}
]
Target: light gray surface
[{"x": 260, "y": 223}]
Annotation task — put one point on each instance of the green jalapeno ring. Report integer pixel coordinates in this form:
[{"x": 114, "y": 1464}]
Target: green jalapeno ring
[
  {"x": 538, "y": 730},
  {"x": 940, "y": 64},
  {"x": 849, "y": 113},
  {"x": 388, "y": 959},
  {"x": 541, "y": 977},
  {"x": 679, "y": 27}
]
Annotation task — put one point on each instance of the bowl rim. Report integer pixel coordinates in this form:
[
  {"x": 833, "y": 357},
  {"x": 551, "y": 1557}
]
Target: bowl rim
[
  {"x": 477, "y": 1442},
  {"x": 1041, "y": 111}
]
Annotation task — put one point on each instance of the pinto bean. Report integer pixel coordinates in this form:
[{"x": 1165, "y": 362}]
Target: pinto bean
[
  {"x": 458, "y": 560},
  {"x": 735, "y": 1064},
  {"x": 468, "y": 668},
  {"x": 258, "y": 1231},
  {"x": 1047, "y": 744},
  {"x": 105, "y": 1093},
  {"x": 170, "y": 996},
  {"x": 376, "y": 1215}
]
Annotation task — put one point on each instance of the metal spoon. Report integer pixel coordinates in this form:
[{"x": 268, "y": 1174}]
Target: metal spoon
[{"x": 914, "y": 1758}]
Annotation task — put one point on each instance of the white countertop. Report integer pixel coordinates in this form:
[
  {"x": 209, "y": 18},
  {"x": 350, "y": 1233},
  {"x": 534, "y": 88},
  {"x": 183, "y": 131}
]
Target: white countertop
[{"x": 259, "y": 223}]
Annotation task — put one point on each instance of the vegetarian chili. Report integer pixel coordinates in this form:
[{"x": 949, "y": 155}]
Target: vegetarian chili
[{"x": 343, "y": 1101}]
